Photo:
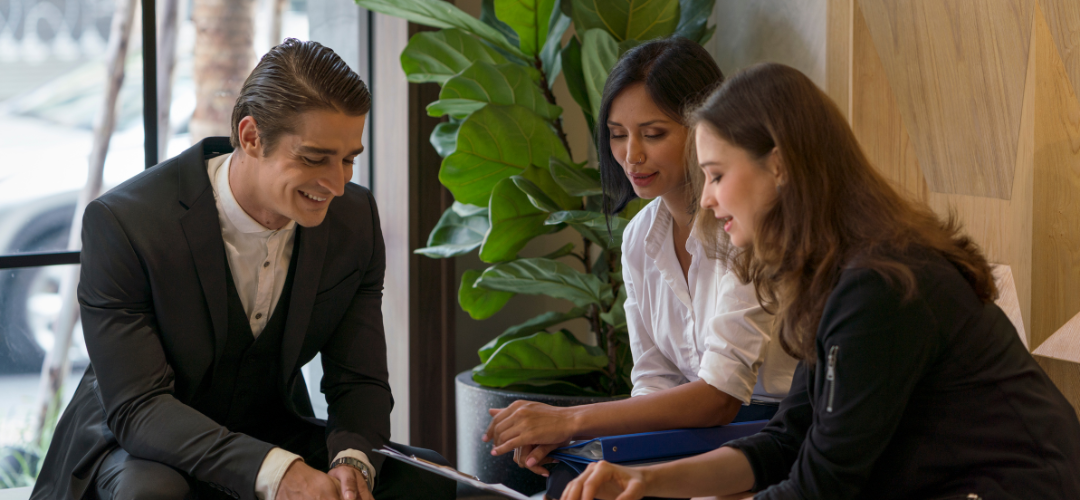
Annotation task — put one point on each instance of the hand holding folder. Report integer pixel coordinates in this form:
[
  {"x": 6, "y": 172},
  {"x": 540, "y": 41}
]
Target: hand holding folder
[{"x": 650, "y": 447}]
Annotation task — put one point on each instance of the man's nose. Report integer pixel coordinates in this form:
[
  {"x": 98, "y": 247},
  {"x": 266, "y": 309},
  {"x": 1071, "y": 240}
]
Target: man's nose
[{"x": 334, "y": 182}]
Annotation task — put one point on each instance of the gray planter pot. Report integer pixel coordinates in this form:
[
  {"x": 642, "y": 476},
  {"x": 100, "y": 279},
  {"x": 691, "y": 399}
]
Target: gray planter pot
[{"x": 473, "y": 455}]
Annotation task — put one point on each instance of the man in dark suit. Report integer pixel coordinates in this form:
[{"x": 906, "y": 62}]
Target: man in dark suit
[{"x": 208, "y": 281}]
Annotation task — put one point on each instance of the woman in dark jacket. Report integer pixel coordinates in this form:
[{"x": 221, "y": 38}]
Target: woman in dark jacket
[{"x": 912, "y": 383}]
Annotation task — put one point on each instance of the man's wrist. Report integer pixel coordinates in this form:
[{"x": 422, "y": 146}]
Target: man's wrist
[{"x": 357, "y": 464}]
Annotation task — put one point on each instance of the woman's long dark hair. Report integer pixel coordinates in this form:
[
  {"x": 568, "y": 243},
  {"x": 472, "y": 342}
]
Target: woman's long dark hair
[
  {"x": 677, "y": 74},
  {"x": 833, "y": 209}
]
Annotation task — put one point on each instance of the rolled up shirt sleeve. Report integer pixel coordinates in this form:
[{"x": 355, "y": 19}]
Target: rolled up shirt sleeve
[{"x": 739, "y": 338}]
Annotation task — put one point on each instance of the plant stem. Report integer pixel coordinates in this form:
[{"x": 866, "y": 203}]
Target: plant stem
[
  {"x": 551, "y": 100},
  {"x": 612, "y": 355},
  {"x": 587, "y": 261}
]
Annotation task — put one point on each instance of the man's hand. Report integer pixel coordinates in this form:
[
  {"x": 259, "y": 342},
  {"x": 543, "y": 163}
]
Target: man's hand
[
  {"x": 353, "y": 485},
  {"x": 304, "y": 483},
  {"x": 527, "y": 423}
]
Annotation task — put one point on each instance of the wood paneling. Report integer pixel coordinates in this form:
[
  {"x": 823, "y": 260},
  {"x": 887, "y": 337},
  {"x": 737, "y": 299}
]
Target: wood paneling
[
  {"x": 1063, "y": 19},
  {"x": 838, "y": 53},
  {"x": 1000, "y": 226},
  {"x": 1056, "y": 207},
  {"x": 957, "y": 70}
]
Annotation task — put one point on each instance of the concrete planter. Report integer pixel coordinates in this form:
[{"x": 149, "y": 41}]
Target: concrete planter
[{"x": 473, "y": 455}]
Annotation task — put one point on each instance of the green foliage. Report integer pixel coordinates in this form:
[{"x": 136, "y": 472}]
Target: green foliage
[
  {"x": 628, "y": 19},
  {"x": 480, "y": 303},
  {"x": 507, "y": 162},
  {"x": 539, "y": 276},
  {"x": 435, "y": 56},
  {"x": 440, "y": 14},
  {"x": 537, "y": 324},
  {"x": 460, "y": 230},
  {"x": 541, "y": 355},
  {"x": 529, "y": 19},
  {"x": 514, "y": 222},
  {"x": 493, "y": 144},
  {"x": 483, "y": 83}
]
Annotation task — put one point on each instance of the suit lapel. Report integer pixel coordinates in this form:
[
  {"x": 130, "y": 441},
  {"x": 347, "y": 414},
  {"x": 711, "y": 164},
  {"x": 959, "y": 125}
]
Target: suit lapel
[
  {"x": 311, "y": 252},
  {"x": 203, "y": 232}
]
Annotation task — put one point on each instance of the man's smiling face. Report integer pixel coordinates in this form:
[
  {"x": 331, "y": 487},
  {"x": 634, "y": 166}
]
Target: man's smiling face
[{"x": 306, "y": 169}]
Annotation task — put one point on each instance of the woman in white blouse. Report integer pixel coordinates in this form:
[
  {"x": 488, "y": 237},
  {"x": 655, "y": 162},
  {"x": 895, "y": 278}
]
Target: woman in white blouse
[{"x": 702, "y": 346}]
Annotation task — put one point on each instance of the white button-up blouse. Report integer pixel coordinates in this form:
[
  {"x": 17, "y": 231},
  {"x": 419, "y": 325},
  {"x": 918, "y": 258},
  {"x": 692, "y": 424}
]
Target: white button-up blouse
[{"x": 708, "y": 326}]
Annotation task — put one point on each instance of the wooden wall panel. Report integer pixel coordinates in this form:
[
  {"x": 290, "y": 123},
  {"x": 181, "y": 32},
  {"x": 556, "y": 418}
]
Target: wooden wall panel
[
  {"x": 838, "y": 53},
  {"x": 1063, "y": 19},
  {"x": 957, "y": 70},
  {"x": 1056, "y": 208},
  {"x": 1008, "y": 300},
  {"x": 1001, "y": 227}
]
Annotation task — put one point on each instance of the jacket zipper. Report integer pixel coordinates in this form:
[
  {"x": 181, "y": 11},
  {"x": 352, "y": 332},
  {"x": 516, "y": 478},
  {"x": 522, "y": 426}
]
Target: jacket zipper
[{"x": 830, "y": 376}]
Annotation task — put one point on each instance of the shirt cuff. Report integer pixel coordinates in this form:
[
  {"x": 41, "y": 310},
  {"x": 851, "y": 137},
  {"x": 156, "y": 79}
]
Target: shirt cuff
[
  {"x": 361, "y": 456},
  {"x": 273, "y": 469}
]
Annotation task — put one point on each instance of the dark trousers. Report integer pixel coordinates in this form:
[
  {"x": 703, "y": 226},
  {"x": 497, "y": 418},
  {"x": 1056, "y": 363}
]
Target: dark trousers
[
  {"x": 561, "y": 474},
  {"x": 123, "y": 477}
]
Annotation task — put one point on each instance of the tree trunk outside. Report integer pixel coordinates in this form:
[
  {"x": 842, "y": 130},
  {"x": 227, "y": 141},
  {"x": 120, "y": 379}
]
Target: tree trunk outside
[
  {"x": 57, "y": 364},
  {"x": 224, "y": 55}
]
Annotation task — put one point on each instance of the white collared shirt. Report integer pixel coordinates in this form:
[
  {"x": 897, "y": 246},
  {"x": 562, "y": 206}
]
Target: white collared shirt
[
  {"x": 707, "y": 326},
  {"x": 259, "y": 262}
]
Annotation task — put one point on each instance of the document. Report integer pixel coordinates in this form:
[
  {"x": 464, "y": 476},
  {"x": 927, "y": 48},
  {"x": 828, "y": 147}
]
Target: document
[{"x": 456, "y": 475}]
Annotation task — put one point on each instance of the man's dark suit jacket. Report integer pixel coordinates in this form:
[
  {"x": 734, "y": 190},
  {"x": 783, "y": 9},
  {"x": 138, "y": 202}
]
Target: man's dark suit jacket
[{"x": 153, "y": 304}]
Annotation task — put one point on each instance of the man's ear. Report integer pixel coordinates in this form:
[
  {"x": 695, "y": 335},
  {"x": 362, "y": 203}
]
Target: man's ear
[{"x": 248, "y": 132}]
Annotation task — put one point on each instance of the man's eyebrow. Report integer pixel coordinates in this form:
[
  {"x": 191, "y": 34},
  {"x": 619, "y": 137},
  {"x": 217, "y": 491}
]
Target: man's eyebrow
[
  {"x": 325, "y": 151},
  {"x": 645, "y": 124}
]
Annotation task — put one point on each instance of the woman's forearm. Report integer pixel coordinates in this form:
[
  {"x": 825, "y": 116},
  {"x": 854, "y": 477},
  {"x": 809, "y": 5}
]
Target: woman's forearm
[
  {"x": 696, "y": 404},
  {"x": 720, "y": 472}
]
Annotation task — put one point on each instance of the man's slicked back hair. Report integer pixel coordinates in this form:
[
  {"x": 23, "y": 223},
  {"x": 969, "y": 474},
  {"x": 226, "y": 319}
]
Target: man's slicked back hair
[{"x": 293, "y": 78}]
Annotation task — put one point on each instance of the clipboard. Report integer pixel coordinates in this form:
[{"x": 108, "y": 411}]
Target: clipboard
[{"x": 452, "y": 473}]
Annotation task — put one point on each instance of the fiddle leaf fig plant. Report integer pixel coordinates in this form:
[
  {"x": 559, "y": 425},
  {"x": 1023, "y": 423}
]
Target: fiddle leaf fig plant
[{"x": 508, "y": 164}]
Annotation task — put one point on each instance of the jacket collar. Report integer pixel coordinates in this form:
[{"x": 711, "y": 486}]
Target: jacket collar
[{"x": 202, "y": 229}]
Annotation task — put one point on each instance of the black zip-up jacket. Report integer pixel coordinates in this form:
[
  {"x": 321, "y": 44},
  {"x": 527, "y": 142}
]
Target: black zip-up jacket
[{"x": 930, "y": 398}]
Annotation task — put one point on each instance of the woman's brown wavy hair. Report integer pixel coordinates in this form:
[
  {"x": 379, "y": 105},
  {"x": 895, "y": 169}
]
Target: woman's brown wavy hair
[{"x": 833, "y": 209}]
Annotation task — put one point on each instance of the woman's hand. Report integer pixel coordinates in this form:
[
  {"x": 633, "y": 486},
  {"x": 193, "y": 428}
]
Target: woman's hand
[
  {"x": 527, "y": 423},
  {"x": 532, "y": 457},
  {"x": 607, "y": 481}
]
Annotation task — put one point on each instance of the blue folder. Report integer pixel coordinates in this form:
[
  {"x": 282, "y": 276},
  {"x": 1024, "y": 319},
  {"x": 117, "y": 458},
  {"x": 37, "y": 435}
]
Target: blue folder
[{"x": 653, "y": 446}]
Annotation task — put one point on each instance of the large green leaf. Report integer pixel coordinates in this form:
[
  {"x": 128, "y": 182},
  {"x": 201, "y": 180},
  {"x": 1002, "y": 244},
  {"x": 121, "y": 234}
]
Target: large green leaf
[
  {"x": 592, "y": 225},
  {"x": 444, "y": 137},
  {"x": 551, "y": 54},
  {"x": 599, "y": 53},
  {"x": 693, "y": 17},
  {"x": 455, "y": 235},
  {"x": 440, "y": 14},
  {"x": 626, "y": 19},
  {"x": 543, "y": 179},
  {"x": 536, "y": 196},
  {"x": 529, "y": 19},
  {"x": 547, "y": 277},
  {"x": 488, "y": 17},
  {"x": 633, "y": 207},
  {"x": 435, "y": 56},
  {"x": 479, "y": 302},
  {"x": 493, "y": 144},
  {"x": 575, "y": 78},
  {"x": 514, "y": 221},
  {"x": 537, "y": 324},
  {"x": 540, "y": 355},
  {"x": 574, "y": 179},
  {"x": 483, "y": 83}
]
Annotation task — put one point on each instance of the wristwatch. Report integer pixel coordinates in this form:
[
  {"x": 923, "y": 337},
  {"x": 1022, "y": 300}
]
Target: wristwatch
[{"x": 356, "y": 464}]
